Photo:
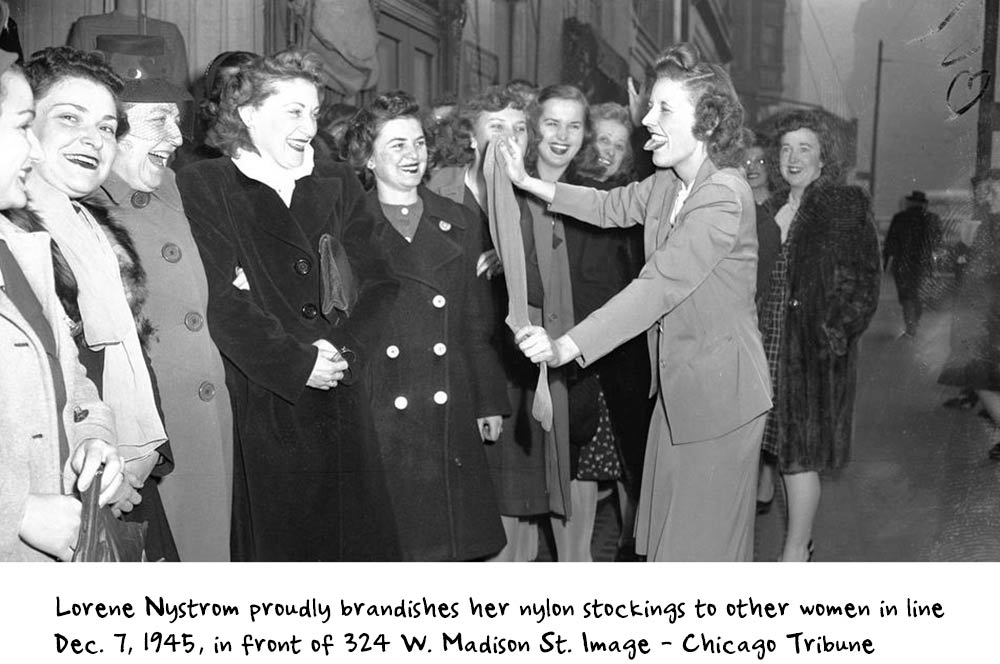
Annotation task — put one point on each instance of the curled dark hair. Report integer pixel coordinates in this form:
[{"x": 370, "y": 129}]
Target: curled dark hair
[
  {"x": 217, "y": 76},
  {"x": 454, "y": 147},
  {"x": 558, "y": 91},
  {"x": 589, "y": 166},
  {"x": 250, "y": 86},
  {"x": 820, "y": 123},
  {"x": 359, "y": 141},
  {"x": 718, "y": 112},
  {"x": 49, "y": 66}
]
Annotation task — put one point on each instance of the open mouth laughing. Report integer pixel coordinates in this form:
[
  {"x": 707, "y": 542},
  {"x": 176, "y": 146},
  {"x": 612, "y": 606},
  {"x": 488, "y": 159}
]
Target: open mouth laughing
[
  {"x": 558, "y": 149},
  {"x": 87, "y": 161},
  {"x": 159, "y": 158},
  {"x": 411, "y": 169},
  {"x": 298, "y": 144}
]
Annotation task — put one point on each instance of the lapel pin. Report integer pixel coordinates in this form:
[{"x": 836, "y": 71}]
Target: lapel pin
[{"x": 444, "y": 225}]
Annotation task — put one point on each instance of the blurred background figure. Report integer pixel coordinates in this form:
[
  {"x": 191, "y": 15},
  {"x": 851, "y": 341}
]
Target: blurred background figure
[
  {"x": 974, "y": 363},
  {"x": 908, "y": 253},
  {"x": 332, "y": 124}
]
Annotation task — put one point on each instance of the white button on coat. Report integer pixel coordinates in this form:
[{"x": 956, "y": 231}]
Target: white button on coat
[
  {"x": 440, "y": 349},
  {"x": 439, "y": 301},
  {"x": 401, "y": 403},
  {"x": 444, "y": 225},
  {"x": 392, "y": 352},
  {"x": 440, "y": 398}
]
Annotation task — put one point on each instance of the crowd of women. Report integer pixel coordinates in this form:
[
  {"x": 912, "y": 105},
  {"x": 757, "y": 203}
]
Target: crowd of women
[{"x": 320, "y": 342}]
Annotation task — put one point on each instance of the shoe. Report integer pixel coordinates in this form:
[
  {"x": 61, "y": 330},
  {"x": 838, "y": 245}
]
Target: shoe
[
  {"x": 763, "y": 507},
  {"x": 995, "y": 452}
]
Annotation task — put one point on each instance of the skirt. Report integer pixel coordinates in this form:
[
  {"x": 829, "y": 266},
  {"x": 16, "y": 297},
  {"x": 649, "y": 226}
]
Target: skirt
[{"x": 698, "y": 500}]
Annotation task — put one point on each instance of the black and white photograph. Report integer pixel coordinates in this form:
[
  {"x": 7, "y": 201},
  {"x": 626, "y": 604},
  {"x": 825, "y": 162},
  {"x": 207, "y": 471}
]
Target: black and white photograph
[{"x": 613, "y": 281}]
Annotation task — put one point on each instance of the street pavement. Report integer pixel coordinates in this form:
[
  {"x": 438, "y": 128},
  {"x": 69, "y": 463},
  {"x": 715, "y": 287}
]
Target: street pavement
[{"x": 919, "y": 487}]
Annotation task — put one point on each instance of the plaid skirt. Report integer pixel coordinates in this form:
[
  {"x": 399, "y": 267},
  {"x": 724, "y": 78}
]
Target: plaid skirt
[{"x": 772, "y": 324}]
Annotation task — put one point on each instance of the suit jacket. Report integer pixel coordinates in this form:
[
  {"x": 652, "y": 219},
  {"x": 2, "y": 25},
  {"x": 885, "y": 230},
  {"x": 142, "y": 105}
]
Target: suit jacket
[
  {"x": 29, "y": 425},
  {"x": 694, "y": 297}
]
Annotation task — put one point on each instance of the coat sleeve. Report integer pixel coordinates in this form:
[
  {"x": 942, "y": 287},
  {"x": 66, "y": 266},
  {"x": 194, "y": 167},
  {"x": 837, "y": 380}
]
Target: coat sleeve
[
  {"x": 857, "y": 276},
  {"x": 479, "y": 319},
  {"x": 701, "y": 240},
  {"x": 253, "y": 339},
  {"x": 623, "y": 206},
  {"x": 377, "y": 285}
]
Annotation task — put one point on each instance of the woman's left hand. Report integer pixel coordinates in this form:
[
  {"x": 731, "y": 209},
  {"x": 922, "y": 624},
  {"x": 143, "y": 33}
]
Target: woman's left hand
[
  {"x": 538, "y": 346},
  {"x": 489, "y": 262},
  {"x": 88, "y": 457}
]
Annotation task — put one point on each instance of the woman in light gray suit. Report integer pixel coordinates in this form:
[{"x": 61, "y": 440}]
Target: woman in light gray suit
[{"x": 695, "y": 299}]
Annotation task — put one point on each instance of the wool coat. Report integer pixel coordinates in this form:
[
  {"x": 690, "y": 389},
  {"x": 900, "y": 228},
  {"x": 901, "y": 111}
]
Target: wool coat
[
  {"x": 517, "y": 459},
  {"x": 189, "y": 371},
  {"x": 436, "y": 373},
  {"x": 307, "y": 481},
  {"x": 29, "y": 421},
  {"x": 833, "y": 291}
]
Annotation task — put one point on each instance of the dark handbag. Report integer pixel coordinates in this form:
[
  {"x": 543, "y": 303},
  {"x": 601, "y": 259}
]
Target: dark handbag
[
  {"x": 337, "y": 281},
  {"x": 104, "y": 538}
]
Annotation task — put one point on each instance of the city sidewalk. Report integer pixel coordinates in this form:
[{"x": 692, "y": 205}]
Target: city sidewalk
[{"x": 919, "y": 487}]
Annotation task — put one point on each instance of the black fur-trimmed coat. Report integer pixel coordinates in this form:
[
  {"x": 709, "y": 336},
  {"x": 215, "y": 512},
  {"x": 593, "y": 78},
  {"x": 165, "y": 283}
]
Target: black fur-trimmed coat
[
  {"x": 159, "y": 539},
  {"x": 833, "y": 290}
]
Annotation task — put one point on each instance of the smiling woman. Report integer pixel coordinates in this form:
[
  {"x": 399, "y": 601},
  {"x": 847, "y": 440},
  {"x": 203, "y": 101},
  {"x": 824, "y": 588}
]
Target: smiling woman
[
  {"x": 297, "y": 297},
  {"x": 101, "y": 279},
  {"x": 438, "y": 388}
]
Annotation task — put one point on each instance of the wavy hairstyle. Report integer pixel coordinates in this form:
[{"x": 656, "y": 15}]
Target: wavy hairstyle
[
  {"x": 718, "y": 112},
  {"x": 831, "y": 150},
  {"x": 49, "y": 66},
  {"x": 589, "y": 166},
  {"x": 250, "y": 86},
  {"x": 218, "y": 75},
  {"x": 455, "y": 146},
  {"x": 557, "y": 91},
  {"x": 359, "y": 140}
]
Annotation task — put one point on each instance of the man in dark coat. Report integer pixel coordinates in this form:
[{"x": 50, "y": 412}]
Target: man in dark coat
[{"x": 909, "y": 246}]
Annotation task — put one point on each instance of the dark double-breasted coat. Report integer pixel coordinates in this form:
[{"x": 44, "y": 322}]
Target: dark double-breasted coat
[
  {"x": 434, "y": 374},
  {"x": 306, "y": 484}
]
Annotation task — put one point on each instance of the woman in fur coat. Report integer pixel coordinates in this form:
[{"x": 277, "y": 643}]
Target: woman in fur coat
[{"x": 822, "y": 294}]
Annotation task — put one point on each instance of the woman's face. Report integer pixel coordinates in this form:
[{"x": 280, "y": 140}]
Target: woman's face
[
  {"x": 670, "y": 122},
  {"x": 561, "y": 128},
  {"x": 76, "y": 126},
  {"x": 800, "y": 158},
  {"x": 611, "y": 142},
  {"x": 399, "y": 155},
  {"x": 754, "y": 168},
  {"x": 153, "y": 137},
  {"x": 282, "y": 126},
  {"x": 18, "y": 144},
  {"x": 494, "y": 124}
]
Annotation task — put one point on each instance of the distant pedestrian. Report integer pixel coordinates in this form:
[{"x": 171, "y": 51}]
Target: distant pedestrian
[{"x": 909, "y": 248}]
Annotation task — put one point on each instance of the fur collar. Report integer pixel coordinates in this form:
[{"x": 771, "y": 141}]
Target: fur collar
[{"x": 130, "y": 266}]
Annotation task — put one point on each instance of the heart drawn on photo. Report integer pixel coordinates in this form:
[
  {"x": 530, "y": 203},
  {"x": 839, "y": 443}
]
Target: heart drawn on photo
[{"x": 984, "y": 76}]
